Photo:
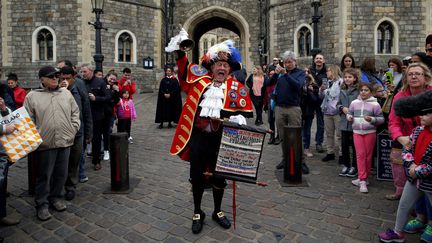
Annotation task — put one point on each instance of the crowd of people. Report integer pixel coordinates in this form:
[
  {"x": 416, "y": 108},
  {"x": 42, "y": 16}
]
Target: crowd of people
[
  {"x": 73, "y": 109},
  {"x": 350, "y": 104}
]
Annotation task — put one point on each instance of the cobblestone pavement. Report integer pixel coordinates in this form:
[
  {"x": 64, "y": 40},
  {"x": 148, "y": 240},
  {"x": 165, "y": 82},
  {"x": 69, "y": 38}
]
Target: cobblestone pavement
[{"x": 160, "y": 207}]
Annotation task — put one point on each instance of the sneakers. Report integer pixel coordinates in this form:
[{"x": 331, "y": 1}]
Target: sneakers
[
  {"x": 427, "y": 234},
  {"x": 319, "y": 148},
  {"x": 393, "y": 196},
  {"x": 277, "y": 141},
  {"x": 43, "y": 213},
  {"x": 280, "y": 165},
  {"x": 413, "y": 226},
  {"x": 344, "y": 171},
  {"x": 106, "y": 155},
  {"x": 59, "y": 205},
  {"x": 328, "y": 157},
  {"x": 363, "y": 187},
  {"x": 8, "y": 221},
  {"x": 307, "y": 153},
  {"x": 130, "y": 139},
  {"x": 69, "y": 195},
  {"x": 304, "y": 168},
  {"x": 352, "y": 172},
  {"x": 83, "y": 179},
  {"x": 97, "y": 166},
  {"x": 391, "y": 236},
  {"x": 356, "y": 182}
]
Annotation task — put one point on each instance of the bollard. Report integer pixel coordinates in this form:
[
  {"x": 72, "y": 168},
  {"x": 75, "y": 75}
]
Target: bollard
[
  {"x": 119, "y": 161},
  {"x": 292, "y": 145},
  {"x": 31, "y": 172}
]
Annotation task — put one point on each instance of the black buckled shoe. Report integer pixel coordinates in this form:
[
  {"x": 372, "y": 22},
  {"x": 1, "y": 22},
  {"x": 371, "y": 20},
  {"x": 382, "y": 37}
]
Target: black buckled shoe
[
  {"x": 221, "y": 220},
  {"x": 197, "y": 222}
]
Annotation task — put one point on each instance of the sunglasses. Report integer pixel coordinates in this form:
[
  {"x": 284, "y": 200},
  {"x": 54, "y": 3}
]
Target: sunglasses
[
  {"x": 428, "y": 50},
  {"x": 52, "y": 76}
]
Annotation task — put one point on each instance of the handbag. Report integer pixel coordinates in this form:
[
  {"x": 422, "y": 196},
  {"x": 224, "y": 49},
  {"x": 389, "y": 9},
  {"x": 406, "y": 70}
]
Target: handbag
[{"x": 24, "y": 139}]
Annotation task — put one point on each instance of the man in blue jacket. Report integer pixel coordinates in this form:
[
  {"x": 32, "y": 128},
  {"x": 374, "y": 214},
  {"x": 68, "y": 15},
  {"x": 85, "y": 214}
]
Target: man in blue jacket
[{"x": 288, "y": 91}]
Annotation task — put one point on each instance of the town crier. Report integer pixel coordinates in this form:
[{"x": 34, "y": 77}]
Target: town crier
[{"x": 213, "y": 95}]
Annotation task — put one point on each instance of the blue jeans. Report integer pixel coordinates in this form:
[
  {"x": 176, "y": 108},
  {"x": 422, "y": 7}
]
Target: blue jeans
[
  {"x": 4, "y": 166},
  {"x": 319, "y": 136},
  {"x": 82, "y": 162},
  {"x": 423, "y": 206},
  {"x": 306, "y": 130}
]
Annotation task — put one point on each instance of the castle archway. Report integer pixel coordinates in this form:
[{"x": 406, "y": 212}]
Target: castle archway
[{"x": 218, "y": 17}]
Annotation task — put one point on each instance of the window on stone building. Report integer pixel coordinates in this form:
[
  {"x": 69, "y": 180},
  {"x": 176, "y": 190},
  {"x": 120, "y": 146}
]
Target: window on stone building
[
  {"x": 385, "y": 38},
  {"x": 125, "y": 47},
  {"x": 213, "y": 42},
  {"x": 45, "y": 45},
  {"x": 304, "y": 42},
  {"x": 125, "y": 44},
  {"x": 205, "y": 45}
]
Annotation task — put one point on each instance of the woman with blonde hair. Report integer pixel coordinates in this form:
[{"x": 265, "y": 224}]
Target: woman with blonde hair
[
  {"x": 255, "y": 83},
  {"x": 330, "y": 96},
  {"x": 419, "y": 79}
]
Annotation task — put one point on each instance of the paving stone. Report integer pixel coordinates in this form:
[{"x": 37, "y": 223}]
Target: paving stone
[
  {"x": 98, "y": 234},
  {"x": 119, "y": 230},
  {"x": 85, "y": 228},
  {"x": 51, "y": 224},
  {"x": 63, "y": 232},
  {"x": 76, "y": 238},
  {"x": 30, "y": 227},
  {"x": 134, "y": 237},
  {"x": 41, "y": 235},
  {"x": 156, "y": 234},
  {"x": 141, "y": 228},
  {"x": 7, "y": 231},
  {"x": 179, "y": 231},
  {"x": 52, "y": 240},
  {"x": 173, "y": 240},
  {"x": 105, "y": 223}
]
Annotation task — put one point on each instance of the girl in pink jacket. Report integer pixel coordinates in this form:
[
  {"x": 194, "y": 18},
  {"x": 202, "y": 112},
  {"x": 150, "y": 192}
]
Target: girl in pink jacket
[{"x": 126, "y": 113}]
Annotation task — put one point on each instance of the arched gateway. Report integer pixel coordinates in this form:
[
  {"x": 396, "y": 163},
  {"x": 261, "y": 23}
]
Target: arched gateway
[{"x": 214, "y": 17}]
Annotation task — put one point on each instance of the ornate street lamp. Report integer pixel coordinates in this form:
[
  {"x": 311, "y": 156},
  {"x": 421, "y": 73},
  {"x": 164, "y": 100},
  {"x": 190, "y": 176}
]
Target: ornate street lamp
[
  {"x": 98, "y": 6},
  {"x": 315, "y": 20}
]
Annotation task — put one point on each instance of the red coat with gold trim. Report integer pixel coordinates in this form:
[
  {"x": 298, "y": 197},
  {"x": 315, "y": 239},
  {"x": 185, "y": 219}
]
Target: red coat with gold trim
[{"x": 236, "y": 101}]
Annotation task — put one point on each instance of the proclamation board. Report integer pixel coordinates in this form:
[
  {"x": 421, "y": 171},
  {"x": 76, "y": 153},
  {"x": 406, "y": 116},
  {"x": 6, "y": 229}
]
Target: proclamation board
[{"x": 240, "y": 152}]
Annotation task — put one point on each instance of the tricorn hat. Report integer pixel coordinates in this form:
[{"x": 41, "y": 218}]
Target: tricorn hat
[
  {"x": 224, "y": 51},
  {"x": 416, "y": 105}
]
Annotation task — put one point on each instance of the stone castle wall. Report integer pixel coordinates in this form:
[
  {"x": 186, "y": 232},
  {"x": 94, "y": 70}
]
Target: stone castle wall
[{"x": 76, "y": 38}]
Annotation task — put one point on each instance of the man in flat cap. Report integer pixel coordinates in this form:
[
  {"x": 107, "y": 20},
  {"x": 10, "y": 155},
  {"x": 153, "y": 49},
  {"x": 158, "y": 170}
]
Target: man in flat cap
[{"x": 57, "y": 118}]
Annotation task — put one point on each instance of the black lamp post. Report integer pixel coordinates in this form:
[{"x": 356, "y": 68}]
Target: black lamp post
[
  {"x": 98, "y": 6},
  {"x": 315, "y": 20}
]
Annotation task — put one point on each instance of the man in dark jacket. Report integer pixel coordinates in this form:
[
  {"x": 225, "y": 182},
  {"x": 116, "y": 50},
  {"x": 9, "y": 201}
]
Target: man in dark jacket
[
  {"x": 319, "y": 73},
  {"x": 99, "y": 96},
  {"x": 288, "y": 92},
  {"x": 80, "y": 94}
]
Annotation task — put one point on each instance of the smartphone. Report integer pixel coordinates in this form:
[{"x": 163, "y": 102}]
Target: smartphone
[
  {"x": 389, "y": 77},
  {"x": 281, "y": 63},
  {"x": 325, "y": 82}
]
